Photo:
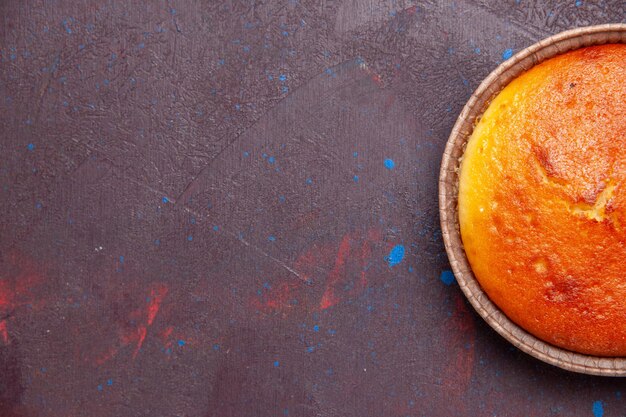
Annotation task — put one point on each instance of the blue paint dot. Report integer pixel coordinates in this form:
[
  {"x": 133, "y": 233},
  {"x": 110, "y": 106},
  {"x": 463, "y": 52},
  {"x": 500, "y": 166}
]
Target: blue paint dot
[
  {"x": 237, "y": 106},
  {"x": 66, "y": 27},
  {"x": 246, "y": 154},
  {"x": 282, "y": 77},
  {"x": 31, "y": 147},
  {"x": 216, "y": 228},
  {"x": 447, "y": 277},
  {"x": 598, "y": 409},
  {"x": 281, "y": 198},
  {"x": 109, "y": 382},
  {"x": 332, "y": 332},
  {"x": 579, "y": 3},
  {"x": 310, "y": 349},
  {"x": 271, "y": 238},
  {"x": 271, "y": 159},
  {"x": 181, "y": 343},
  {"x": 99, "y": 387},
  {"x": 165, "y": 199},
  {"x": 157, "y": 242},
  {"x": 216, "y": 347},
  {"x": 284, "y": 89},
  {"x": 285, "y": 33},
  {"x": 389, "y": 164},
  {"x": 121, "y": 259},
  {"x": 316, "y": 328},
  {"x": 477, "y": 50},
  {"x": 172, "y": 11},
  {"x": 276, "y": 364},
  {"x": 508, "y": 53},
  {"x": 396, "y": 255},
  {"x": 141, "y": 45},
  {"x": 356, "y": 178},
  {"x": 355, "y": 154},
  {"x": 190, "y": 238},
  {"x": 286, "y": 411},
  {"x": 309, "y": 181}
]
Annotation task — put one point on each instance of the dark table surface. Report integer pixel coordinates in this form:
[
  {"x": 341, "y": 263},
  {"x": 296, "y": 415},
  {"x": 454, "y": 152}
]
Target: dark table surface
[{"x": 229, "y": 208}]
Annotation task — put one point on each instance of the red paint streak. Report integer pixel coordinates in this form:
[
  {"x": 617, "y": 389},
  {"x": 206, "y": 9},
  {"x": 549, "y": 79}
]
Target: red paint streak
[
  {"x": 348, "y": 265},
  {"x": 144, "y": 318},
  {"x": 310, "y": 263},
  {"x": 329, "y": 298},
  {"x": 278, "y": 298},
  {"x": 105, "y": 357},
  {"x": 156, "y": 298},
  {"x": 338, "y": 276},
  {"x": 142, "y": 336},
  {"x": 20, "y": 277},
  {"x": 138, "y": 335},
  {"x": 281, "y": 297},
  {"x": 4, "y": 333},
  {"x": 165, "y": 334},
  {"x": 16, "y": 288}
]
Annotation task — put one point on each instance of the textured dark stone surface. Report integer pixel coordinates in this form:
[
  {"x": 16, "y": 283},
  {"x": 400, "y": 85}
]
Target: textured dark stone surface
[{"x": 201, "y": 217}]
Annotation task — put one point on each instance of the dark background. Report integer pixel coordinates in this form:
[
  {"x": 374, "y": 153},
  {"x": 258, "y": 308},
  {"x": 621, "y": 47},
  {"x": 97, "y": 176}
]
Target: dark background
[{"x": 200, "y": 216}]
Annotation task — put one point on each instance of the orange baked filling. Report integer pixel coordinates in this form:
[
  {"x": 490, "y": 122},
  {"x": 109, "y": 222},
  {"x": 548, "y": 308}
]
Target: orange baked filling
[{"x": 542, "y": 200}]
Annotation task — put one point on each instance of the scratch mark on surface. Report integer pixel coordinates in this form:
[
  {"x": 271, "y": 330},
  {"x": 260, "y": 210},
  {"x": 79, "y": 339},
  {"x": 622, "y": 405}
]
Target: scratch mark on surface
[
  {"x": 187, "y": 189},
  {"x": 267, "y": 255},
  {"x": 200, "y": 216}
]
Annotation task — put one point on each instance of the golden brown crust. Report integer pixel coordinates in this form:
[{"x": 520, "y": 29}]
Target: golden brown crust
[{"x": 542, "y": 200}]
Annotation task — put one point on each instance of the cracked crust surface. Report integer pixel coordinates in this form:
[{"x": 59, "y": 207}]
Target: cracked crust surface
[{"x": 542, "y": 200}]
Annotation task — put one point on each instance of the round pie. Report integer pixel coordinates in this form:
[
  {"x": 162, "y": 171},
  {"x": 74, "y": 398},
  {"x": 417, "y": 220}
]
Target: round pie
[{"x": 542, "y": 200}]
